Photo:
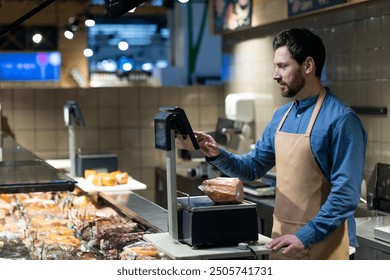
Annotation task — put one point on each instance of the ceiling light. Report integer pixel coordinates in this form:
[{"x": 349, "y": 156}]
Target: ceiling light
[
  {"x": 123, "y": 45},
  {"x": 74, "y": 23},
  {"x": 162, "y": 63},
  {"x": 108, "y": 65},
  {"x": 68, "y": 34},
  {"x": 127, "y": 66},
  {"x": 37, "y": 38},
  {"x": 88, "y": 52},
  {"x": 89, "y": 22},
  {"x": 147, "y": 66}
]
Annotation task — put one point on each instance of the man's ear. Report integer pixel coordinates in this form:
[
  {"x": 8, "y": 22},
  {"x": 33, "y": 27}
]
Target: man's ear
[{"x": 309, "y": 65}]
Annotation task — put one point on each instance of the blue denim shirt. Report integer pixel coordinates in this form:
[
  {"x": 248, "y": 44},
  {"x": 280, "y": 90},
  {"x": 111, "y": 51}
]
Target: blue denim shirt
[{"x": 338, "y": 141}]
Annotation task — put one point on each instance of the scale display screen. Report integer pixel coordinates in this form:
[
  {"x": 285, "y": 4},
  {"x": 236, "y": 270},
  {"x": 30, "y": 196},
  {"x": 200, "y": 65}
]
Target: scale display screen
[
  {"x": 173, "y": 118},
  {"x": 162, "y": 134}
]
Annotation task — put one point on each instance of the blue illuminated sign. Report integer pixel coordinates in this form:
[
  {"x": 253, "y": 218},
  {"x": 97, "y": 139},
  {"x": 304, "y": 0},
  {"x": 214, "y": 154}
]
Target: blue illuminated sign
[{"x": 34, "y": 66}]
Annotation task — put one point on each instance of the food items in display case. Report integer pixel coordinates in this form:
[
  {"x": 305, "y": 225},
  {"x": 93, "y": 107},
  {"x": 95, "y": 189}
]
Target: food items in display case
[
  {"x": 106, "y": 179},
  {"x": 63, "y": 226},
  {"x": 111, "y": 233},
  {"x": 139, "y": 251},
  {"x": 12, "y": 246},
  {"x": 223, "y": 189}
]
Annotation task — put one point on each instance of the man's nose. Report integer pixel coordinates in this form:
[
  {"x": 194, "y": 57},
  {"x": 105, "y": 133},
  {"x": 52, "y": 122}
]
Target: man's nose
[{"x": 276, "y": 75}]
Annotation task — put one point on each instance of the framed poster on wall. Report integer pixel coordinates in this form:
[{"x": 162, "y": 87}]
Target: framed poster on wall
[
  {"x": 230, "y": 14},
  {"x": 296, "y": 7}
]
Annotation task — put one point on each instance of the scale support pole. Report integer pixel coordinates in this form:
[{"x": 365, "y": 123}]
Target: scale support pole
[
  {"x": 171, "y": 189},
  {"x": 72, "y": 150}
]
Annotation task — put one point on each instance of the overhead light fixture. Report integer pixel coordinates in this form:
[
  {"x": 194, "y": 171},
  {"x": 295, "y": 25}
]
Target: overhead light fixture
[
  {"x": 108, "y": 65},
  {"x": 147, "y": 66},
  {"x": 88, "y": 52},
  {"x": 125, "y": 63},
  {"x": 68, "y": 34},
  {"x": 127, "y": 66},
  {"x": 162, "y": 64},
  {"x": 89, "y": 22},
  {"x": 37, "y": 38},
  {"x": 74, "y": 23},
  {"x": 123, "y": 45}
]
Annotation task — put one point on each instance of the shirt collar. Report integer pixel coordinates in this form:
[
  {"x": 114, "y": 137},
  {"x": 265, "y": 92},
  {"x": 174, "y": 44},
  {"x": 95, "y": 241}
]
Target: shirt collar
[{"x": 304, "y": 104}]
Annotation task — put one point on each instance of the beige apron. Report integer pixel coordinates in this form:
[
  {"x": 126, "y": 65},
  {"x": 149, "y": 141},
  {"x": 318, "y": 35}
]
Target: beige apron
[{"x": 301, "y": 191}]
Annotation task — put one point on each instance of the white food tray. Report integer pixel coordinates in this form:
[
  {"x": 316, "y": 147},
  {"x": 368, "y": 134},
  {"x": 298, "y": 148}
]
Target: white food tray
[{"x": 87, "y": 186}]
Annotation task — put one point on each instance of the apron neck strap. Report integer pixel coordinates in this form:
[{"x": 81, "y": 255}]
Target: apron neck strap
[
  {"x": 316, "y": 110},
  {"x": 285, "y": 116}
]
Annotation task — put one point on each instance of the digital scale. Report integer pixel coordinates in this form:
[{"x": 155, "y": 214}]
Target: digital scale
[{"x": 198, "y": 227}]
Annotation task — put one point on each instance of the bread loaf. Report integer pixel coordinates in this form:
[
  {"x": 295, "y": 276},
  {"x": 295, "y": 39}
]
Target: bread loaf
[
  {"x": 223, "y": 189},
  {"x": 89, "y": 172},
  {"x": 122, "y": 177},
  {"x": 106, "y": 179}
]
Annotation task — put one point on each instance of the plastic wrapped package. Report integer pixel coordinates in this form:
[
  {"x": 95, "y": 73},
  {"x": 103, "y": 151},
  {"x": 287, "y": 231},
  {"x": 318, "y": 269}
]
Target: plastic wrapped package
[
  {"x": 12, "y": 247},
  {"x": 111, "y": 233},
  {"x": 60, "y": 251},
  {"x": 223, "y": 190},
  {"x": 140, "y": 251}
]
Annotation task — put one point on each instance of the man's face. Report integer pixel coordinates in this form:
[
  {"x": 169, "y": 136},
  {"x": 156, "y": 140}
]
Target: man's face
[{"x": 288, "y": 73}]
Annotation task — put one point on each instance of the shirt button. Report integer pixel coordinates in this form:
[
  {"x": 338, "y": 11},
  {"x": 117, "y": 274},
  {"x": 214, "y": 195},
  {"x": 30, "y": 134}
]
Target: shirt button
[{"x": 298, "y": 115}]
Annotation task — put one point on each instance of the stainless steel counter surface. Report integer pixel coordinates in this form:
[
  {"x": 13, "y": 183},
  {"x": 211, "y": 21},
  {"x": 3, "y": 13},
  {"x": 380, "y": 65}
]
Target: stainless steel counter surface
[
  {"x": 143, "y": 210},
  {"x": 156, "y": 217},
  {"x": 21, "y": 171},
  {"x": 365, "y": 232}
]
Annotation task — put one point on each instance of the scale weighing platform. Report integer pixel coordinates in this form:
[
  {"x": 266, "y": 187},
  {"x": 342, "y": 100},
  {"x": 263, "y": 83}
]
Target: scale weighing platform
[{"x": 179, "y": 251}]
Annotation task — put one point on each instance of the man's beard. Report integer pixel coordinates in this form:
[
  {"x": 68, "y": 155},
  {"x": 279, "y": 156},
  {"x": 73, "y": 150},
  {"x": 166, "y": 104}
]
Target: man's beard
[{"x": 296, "y": 85}]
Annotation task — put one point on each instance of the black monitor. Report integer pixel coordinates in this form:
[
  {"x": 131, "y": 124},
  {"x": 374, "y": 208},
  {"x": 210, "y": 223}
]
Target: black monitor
[
  {"x": 116, "y": 8},
  {"x": 173, "y": 118}
]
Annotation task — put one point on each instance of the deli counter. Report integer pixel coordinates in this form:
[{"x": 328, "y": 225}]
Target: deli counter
[{"x": 45, "y": 215}]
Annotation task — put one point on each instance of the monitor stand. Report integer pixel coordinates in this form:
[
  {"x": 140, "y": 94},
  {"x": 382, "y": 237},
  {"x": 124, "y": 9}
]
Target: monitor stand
[{"x": 172, "y": 189}]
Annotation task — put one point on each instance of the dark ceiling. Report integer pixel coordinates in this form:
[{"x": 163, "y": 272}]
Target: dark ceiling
[{"x": 145, "y": 31}]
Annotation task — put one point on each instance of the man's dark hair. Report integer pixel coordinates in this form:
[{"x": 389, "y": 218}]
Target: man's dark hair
[{"x": 301, "y": 43}]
